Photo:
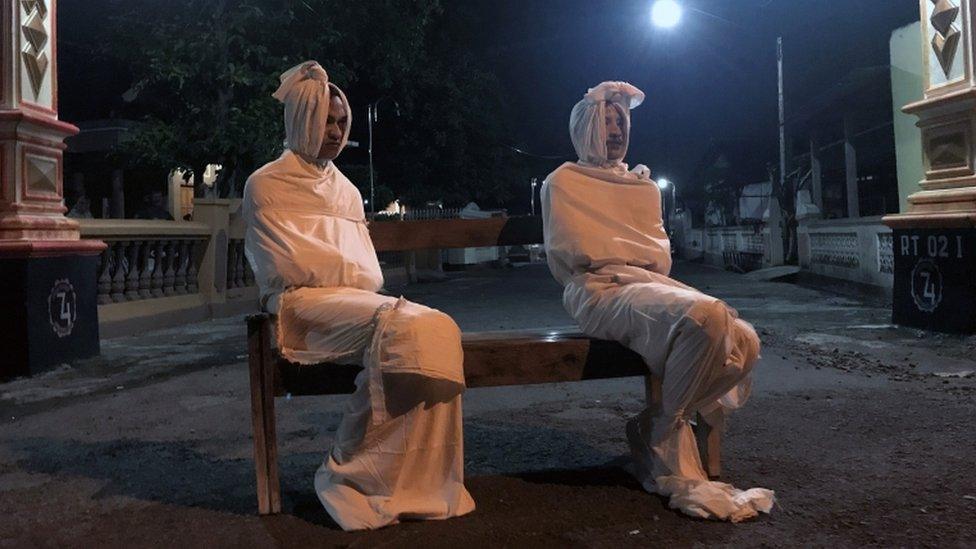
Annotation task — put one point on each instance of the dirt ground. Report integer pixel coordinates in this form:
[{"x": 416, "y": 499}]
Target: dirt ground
[{"x": 865, "y": 431}]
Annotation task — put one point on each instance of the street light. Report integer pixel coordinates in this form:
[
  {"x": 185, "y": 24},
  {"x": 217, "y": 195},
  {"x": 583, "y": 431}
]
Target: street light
[
  {"x": 373, "y": 116},
  {"x": 666, "y": 13},
  {"x": 664, "y": 185}
]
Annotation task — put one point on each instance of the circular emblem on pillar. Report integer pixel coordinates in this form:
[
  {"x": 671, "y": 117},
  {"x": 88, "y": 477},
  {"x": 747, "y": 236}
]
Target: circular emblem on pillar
[
  {"x": 926, "y": 285},
  {"x": 62, "y": 307}
]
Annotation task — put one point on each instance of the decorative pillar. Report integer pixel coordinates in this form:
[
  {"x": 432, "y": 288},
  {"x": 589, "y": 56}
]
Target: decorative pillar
[
  {"x": 49, "y": 293},
  {"x": 213, "y": 269},
  {"x": 935, "y": 240}
]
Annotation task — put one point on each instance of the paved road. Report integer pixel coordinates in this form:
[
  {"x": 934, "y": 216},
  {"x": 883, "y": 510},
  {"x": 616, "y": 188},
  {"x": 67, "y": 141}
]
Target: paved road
[{"x": 864, "y": 430}]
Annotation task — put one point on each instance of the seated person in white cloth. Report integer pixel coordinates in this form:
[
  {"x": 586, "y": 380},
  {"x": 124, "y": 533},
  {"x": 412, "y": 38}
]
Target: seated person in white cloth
[
  {"x": 606, "y": 245},
  {"x": 398, "y": 450}
]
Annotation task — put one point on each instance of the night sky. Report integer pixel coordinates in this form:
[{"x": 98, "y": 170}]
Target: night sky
[{"x": 713, "y": 77}]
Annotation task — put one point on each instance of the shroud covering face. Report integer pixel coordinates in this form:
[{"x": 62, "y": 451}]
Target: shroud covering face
[
  {"x": 306, "y": 93},
  {"x": 587, "y": 126}
]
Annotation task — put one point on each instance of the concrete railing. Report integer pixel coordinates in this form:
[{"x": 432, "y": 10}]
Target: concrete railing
[
  {"x": 742, "y": 247},
  {"x": 431, "y": 213},
  {"x": 238, "y": 272},
  {"x": 158, "y": 273},
  {"x": 857, "y": 250},
  {"x": 146, "y": 259},
  {"x": 690, "y": 243}
]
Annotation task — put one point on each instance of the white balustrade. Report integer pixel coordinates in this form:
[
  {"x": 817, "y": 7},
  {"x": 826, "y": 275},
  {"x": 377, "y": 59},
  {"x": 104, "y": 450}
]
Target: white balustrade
[{"x": 146, "y": 259}]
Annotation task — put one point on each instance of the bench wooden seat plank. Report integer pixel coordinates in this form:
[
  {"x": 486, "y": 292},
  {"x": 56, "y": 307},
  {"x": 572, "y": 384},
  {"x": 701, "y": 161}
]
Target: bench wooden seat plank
[{"x": 490, "y": 358}]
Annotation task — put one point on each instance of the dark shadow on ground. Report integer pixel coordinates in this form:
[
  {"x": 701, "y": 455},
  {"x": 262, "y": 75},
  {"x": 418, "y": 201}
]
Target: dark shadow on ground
[
  {"x": 305, "y": 505},
  {"x": 609, "y": 475},
  {"x": 178, "y": 473},
  {"x": 166, "y": 472}
]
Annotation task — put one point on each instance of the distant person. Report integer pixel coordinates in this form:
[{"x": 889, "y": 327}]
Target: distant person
[
  {"x": 605, "y": 243},
  {"x": 398, "y": 451},
  {"x": 81, "y": 208},
  {"x": 153, "y": 207}
]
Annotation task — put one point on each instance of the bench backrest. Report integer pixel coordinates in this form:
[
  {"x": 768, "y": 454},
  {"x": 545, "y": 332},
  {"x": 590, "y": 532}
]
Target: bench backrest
[{"x": 402, "y": 236}]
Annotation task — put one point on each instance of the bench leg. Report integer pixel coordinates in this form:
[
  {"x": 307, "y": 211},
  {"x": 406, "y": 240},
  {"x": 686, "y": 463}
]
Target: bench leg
[
  {"x": 652, "y": 393},
  {"x": 710, "y": 445},
  {"x": 263, "y": 417},
  {"x": 713, "y": 450}
]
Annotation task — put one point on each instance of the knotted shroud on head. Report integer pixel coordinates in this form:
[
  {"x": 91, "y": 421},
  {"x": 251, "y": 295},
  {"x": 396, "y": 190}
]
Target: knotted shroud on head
[
  {"x": 587, "y": 125},
  {"x": 306, "y": 92}
]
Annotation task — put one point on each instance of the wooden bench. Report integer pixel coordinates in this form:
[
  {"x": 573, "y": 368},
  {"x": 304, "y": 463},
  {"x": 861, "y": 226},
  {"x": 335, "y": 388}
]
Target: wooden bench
[{"x": 490, "y": 358}]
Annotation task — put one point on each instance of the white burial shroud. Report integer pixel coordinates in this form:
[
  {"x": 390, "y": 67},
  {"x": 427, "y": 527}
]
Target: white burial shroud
[
  {"x": 306, "y": 227},
  {"x": 606, "y": 244},
  {"x": 398, "y": 451}
]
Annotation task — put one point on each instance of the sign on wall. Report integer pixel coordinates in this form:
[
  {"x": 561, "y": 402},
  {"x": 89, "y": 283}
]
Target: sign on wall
[
  {"x": 62, "y": 308},
  {"x": 935, "y": 286}
]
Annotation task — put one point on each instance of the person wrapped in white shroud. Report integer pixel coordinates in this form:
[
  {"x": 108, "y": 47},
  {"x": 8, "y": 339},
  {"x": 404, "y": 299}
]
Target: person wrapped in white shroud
[
  {"x": 398, "y": 452},
  {"x": 605, "y": 243}
]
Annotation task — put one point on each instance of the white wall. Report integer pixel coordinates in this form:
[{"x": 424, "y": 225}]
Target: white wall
[{"x": 906, "y": 87}]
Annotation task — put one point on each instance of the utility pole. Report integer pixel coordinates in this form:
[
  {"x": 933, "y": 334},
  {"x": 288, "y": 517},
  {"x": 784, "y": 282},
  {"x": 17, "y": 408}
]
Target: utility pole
[
  {"x": 782, "y": 117},
  {"x": 372, "y": 191},
  {"x": 534, "y": 182},
  {"x": 372, "y": 116}
]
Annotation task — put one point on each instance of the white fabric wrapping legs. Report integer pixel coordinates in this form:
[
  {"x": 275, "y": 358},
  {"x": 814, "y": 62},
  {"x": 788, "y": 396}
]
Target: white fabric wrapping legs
[
  {"x": 398, "y": 452},
  {"x": 704, "y": 355},
  {"x": 408, "y": 468}
]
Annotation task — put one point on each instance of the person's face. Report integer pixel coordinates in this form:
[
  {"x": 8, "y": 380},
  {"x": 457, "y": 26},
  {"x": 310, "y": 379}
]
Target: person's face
[
  {"x": 616, "y": 132},
  {"x": 335, "y": 128}
]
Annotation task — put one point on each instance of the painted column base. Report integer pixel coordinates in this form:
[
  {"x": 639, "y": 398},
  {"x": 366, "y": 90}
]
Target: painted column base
[
  {"x": 48, "y": 299},
  {"x": 935, "y": 279}
]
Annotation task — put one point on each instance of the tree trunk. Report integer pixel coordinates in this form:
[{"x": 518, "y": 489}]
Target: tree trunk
[
  {"x": 790, "y": 225},
  {"x": 224, "y": 186},
  {"x": 199, "y": 189}
]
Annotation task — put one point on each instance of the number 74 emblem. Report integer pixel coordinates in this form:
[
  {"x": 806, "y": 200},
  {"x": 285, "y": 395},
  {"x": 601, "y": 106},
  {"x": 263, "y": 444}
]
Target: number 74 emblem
[
  {"x": 62, "y": 308},
  {"x": 926, "y": 285}
]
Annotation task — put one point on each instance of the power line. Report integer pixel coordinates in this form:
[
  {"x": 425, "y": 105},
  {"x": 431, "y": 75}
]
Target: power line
[{"x": 533, "y": 155}]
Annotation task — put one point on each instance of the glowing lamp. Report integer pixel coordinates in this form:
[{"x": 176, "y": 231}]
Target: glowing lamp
[{"x": 666, "y": 13}]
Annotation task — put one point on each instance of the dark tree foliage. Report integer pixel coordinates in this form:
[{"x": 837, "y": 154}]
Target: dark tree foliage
[{"x": 202, "y": 73}]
